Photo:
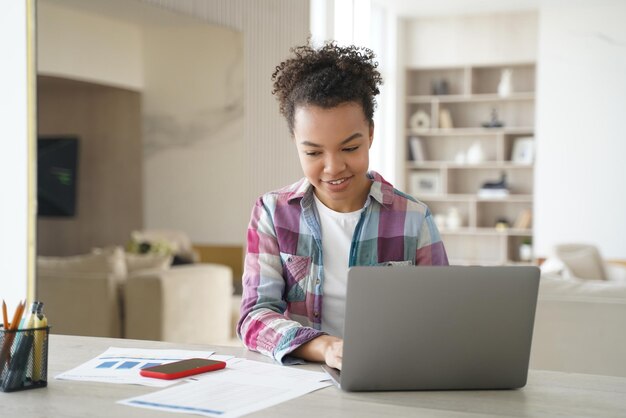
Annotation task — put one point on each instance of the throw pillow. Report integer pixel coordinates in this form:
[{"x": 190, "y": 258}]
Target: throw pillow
[
  {"x": 583, "y": 261},
  {"x": 163, "y": 241}
]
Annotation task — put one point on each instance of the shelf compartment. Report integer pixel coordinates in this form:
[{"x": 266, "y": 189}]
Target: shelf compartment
[
  {"x": 475, "y": 249},
  {"x": 461, "y": 181},
  {"x": 441, "y": 210},
  {"x": 427, "y": 108},
  {"x": 448, "y": 148},
  {"x": 420, "y": 82},
  {"x": 485, "y": 79},
  {"x": 509, "y": 144},
  {"x": 513, "y": 245},
  {"x": 490, "y": 212},
  {"x": 510, "y": 113}
]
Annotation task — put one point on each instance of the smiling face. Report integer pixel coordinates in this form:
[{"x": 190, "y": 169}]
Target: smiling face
[{"x": 333, "y": 147}]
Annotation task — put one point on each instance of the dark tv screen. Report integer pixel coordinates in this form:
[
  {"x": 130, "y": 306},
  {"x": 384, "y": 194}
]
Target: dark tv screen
[{"x": 57, "y": 163}]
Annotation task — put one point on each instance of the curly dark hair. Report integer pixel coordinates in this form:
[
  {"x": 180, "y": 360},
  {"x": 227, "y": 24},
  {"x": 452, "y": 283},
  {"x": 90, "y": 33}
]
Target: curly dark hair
[{"x": 326, "y": 77}]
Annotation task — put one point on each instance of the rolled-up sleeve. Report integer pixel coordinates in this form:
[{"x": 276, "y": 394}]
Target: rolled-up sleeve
[
  {"x": 263, "y": 326},
  {"x": 430, "y": 249}
]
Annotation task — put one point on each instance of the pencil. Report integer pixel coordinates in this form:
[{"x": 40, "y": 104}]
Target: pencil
[
  {"x": 4, "y": 315},
  {"x": 17, "y": 315},
  {"x": 5, "y": 352}
]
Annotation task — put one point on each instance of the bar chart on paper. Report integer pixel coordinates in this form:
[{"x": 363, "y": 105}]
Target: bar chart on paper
[{"x": 122, "y": 365}]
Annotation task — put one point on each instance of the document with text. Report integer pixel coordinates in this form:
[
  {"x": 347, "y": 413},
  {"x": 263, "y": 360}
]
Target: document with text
[{"x": 241, "y": 388}]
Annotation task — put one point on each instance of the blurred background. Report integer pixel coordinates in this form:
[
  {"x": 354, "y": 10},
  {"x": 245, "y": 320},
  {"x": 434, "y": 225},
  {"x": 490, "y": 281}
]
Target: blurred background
[{"x": 156, "y": 131}]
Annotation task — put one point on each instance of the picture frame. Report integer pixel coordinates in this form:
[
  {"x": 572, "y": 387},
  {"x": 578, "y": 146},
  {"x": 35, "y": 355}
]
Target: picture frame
[
  {"x": 425, "y": 183},
  {"x": 523, "y": 151}
]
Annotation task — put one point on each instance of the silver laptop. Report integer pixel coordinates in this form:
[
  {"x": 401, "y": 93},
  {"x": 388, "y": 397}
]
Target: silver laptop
[{"x": 437, "y": 328}]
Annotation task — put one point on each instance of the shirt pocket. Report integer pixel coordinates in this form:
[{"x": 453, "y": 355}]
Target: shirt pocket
[
  {"x": 296, "y": 271},
  {"x": 395, "y": 263}
]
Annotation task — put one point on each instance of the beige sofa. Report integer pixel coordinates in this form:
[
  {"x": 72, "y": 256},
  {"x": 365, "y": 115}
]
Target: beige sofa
[
  {"x": 110, "y": 294},
  {"x": 580, "y": 324}
]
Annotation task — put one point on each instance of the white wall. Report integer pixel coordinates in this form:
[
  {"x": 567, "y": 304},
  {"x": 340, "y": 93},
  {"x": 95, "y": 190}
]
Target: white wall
[
  {"x": 193, "y": 132},
  {"x": 270, "y": 28},
  {"x": 106, "y": 51},
  {"x": 14, "y": 155},
  {"x": 580, "y": 176},
  {"x": 481, "y": 39}
]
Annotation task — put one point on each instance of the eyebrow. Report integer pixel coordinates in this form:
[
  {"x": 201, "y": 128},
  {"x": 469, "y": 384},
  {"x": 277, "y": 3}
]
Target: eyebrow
[{"x": 345, "y": 141}]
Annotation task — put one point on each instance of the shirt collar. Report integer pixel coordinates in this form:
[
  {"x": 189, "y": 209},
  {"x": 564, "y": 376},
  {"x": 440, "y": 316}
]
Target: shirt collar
[{"x": 380, "y": 190}]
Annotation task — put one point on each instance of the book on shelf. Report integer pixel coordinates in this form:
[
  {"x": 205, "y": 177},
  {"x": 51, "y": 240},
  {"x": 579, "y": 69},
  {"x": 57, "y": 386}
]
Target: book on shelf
[
  {"x": 416, "y": 149},
  {"x": 523, "y": 219}
]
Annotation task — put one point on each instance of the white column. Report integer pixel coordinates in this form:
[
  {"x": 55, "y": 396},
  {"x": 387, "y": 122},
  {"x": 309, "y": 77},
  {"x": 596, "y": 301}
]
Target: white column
[
  {"x": 14, "y": 155},
  {"x": 322, "y": 16}
]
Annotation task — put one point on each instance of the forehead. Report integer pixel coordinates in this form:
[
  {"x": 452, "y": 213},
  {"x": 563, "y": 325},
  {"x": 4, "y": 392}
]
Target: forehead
[{"x": 315, "y": 120}]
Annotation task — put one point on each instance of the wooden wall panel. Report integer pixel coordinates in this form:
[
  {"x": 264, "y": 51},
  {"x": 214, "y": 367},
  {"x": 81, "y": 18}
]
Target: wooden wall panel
[
  {"x": 109, "y": 194},
  {"x": 232, "y": 256}
]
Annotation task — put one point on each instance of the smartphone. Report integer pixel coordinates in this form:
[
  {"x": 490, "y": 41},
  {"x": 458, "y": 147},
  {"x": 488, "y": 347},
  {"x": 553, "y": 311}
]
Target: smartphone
[{"x": 182, "y": 368}]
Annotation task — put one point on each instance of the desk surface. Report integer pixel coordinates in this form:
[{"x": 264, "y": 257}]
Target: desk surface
[{"x": 546, "y": 394}]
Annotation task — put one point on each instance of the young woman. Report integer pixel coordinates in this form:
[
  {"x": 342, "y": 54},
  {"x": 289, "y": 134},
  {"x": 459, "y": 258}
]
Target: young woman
[{"x": 303, "y": 238}]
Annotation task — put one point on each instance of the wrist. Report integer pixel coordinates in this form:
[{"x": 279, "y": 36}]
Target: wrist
[{"x": 316, "y": 349}]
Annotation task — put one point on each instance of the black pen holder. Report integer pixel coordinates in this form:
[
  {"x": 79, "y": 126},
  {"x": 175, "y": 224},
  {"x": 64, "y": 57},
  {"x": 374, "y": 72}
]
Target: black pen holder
[{"x": 23, "y": 358}]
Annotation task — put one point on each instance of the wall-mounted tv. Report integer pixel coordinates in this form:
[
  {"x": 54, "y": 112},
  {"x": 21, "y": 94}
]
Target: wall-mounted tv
[{"x": 57, "y": 171}]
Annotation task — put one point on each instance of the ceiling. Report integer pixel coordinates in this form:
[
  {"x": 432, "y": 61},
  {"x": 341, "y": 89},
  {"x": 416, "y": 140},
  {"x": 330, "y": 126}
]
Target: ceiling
[
  {"x": 430, "y": 8},
  {"x": 131, "y": 11}
]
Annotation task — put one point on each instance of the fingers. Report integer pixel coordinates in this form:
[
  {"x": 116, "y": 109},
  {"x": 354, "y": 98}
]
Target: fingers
[
  {"x": 334, "y": 356},
  {"x": 334, "y": 361}
]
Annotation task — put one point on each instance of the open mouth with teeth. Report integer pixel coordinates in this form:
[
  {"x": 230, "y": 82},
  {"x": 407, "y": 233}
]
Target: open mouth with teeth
[{"x": 336, "y": 182}]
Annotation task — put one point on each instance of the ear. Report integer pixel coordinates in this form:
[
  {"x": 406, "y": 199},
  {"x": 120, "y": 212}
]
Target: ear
[{"x": 371, "y": 134}]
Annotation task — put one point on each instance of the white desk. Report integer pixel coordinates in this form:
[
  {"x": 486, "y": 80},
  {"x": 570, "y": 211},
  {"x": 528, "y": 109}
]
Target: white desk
[{"x": 546, "y": 394}]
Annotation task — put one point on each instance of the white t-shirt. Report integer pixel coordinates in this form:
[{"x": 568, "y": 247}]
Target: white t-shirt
[{"x": 337, "y": 232}]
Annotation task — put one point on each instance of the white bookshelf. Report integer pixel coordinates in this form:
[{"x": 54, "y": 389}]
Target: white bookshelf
[{"x": 471, "y": 96}]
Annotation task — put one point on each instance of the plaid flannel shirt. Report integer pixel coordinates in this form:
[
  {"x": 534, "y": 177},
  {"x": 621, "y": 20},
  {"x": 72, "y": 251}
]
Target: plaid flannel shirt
[{"x": 283, "y": 278}]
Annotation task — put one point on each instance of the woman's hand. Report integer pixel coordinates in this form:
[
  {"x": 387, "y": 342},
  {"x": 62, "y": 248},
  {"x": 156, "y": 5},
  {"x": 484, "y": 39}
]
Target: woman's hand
[
  {"x": 333, "y": 354},
  {"x": 325, "y": 348}
]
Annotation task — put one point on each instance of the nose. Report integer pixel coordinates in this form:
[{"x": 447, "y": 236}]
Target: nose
[{"x": 334, "y": 164}]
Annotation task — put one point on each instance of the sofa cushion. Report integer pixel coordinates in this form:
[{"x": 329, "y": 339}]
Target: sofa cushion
[
  {"x": 583, "y": 261},
  {"x": 555, "y": 287},
  {"x": 137, "y": 262},
  {"x": 88, "y": 265}
]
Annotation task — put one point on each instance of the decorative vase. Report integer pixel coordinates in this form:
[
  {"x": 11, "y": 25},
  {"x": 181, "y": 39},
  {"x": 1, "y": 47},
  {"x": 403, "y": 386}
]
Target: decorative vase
[
  {"x": 505, "y": 87},
  {"x": 525, "y": 252},
  {"x": 453, "y": 221},
  {"x": 475, "y": 154},
  {"x": 419, "y": 120}
]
